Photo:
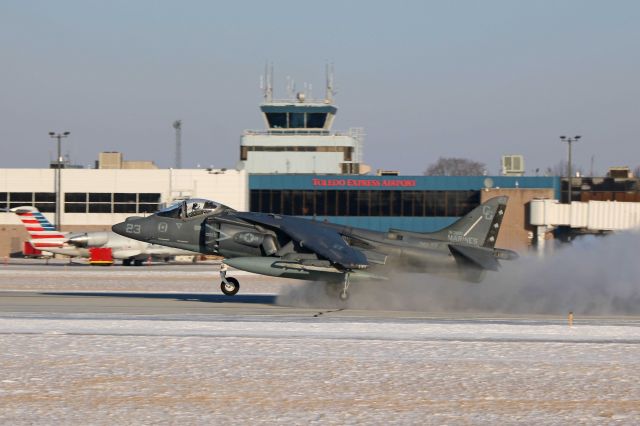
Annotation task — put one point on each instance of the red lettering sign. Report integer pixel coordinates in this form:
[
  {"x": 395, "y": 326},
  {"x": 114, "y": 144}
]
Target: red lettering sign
[{"x": 370, "y": 183}]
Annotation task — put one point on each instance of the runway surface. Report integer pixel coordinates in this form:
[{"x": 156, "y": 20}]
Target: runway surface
[{"x": 160, "y": 345}]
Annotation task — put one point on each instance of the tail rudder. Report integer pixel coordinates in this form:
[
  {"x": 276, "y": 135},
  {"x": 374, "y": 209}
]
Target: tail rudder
[
  {"x": 480, "y": 227},
  {"x": 41, "y": 231}
]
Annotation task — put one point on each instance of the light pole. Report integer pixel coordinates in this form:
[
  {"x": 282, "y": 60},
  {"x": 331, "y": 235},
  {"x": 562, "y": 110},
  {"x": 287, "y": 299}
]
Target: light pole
[
  {"x": 58, "y": 136},
  {"x": 178, "y": 126},
  {"x": 569, "y": 140}
]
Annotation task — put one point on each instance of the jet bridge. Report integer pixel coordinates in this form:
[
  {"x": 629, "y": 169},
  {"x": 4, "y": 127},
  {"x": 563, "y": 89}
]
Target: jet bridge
[{"x": 593, "y": 217}]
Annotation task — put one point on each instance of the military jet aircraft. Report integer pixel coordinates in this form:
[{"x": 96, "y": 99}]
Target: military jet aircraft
[{"x": 293, "y": 247}]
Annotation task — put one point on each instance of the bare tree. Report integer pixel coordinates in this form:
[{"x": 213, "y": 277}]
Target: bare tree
[
  {"x": 562, "y": 169},
  {"x": 456, "y": 167}
]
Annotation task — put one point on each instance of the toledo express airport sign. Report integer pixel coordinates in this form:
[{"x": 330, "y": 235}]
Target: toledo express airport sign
[{"x": 368, "y": 183}]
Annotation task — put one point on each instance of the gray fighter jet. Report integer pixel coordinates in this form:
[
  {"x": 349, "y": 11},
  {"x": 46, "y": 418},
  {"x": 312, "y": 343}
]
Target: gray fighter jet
[{"x": 293, "y": 247}]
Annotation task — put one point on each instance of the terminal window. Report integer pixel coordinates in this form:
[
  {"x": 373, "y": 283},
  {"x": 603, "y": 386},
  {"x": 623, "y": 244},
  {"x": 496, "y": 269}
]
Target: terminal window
[
  {"x": 43, "y": 201},
  {"x": 148, "y": 202},
  {"x": 100, "y": 202},
  {"x": 107, "y": 202},
  {"x": 277, "y": 120},
  {"x": 346, "y": 150},
  {"x": 364, "y": 203},
  {"x": 316, "y": 120},
  {"x": 296, "y": 120}
]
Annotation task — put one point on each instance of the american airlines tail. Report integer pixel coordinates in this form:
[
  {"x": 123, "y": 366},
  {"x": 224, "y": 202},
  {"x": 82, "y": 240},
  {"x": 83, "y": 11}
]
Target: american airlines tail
[{"x": 43, "y": 234}]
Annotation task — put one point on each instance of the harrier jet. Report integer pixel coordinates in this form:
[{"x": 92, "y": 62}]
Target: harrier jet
[{"x": 293, "y": 247}]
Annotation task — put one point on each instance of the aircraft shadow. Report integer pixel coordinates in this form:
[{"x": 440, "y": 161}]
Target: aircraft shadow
[{"x": 265, "y": 299}]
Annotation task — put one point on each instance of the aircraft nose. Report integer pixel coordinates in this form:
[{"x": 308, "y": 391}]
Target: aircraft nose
[
  {"x": 119, "y": 228},
  {"x": 131, "y": 228}
]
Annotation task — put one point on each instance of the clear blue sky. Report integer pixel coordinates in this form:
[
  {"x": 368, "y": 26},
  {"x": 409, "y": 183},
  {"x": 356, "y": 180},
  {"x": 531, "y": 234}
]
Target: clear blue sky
[{"x": 474, "y": 79}]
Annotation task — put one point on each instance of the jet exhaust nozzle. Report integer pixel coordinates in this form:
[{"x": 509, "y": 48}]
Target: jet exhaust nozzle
[
  {"x": 79, "y": 240},
  {"x": 89, "y": 239}
]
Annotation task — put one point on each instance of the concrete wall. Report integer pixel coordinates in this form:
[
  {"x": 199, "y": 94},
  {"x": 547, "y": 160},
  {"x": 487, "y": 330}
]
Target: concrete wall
[{"x": 516, "y": 232}]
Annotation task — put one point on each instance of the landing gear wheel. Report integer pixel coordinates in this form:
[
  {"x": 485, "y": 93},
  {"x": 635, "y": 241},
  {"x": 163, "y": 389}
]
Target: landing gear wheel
[
  {"x": 126, "y": 262},
  {"x": 230, "y": 287},
  {"x": 339, "y": 290},
  {"x": 344, "y": 294},
  {"x": 138, "y": 262}
]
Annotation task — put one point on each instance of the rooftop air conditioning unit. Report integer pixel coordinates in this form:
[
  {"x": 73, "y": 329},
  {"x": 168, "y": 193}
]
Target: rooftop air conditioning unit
[{"x": 512, "y": 165}]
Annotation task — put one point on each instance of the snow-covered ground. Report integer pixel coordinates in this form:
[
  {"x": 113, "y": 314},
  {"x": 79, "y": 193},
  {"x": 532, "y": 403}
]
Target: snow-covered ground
[
  {"x": 335, "y": 368},
  {"x": 123, "y": 370}
]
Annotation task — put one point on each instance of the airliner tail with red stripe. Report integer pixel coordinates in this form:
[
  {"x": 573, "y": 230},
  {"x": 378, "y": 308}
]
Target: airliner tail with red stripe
[{"x": 43, "y": 234}]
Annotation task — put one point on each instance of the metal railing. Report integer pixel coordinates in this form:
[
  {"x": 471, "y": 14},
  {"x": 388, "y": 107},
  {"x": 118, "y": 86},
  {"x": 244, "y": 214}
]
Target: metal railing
[
  {"x": 298, "y": 102},
  {"x": 288, "y": 132}
]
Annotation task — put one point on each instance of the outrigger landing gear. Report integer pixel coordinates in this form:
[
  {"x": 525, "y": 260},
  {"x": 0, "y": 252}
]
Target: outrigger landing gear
[
  {"x": 229, "y": 286},
  {"x": 338, "y": 289},
  {"x": 344, "y": 294}
]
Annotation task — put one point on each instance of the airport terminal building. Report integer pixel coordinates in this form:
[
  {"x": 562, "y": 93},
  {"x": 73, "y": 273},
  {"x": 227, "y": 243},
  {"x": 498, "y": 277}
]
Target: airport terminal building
[
  {"x": 413, "y": 203},
  {"x": 95, "y": 199}
]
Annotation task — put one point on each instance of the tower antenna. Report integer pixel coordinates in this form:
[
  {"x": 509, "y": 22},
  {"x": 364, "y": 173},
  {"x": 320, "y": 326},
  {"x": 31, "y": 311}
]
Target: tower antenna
[
  {"x": 291, "y": 87},
  {"x": 266, "y": 82},
  {"x": 330, "y": 86}
]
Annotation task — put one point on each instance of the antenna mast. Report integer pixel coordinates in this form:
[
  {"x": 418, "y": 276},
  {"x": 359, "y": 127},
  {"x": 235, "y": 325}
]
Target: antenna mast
[
  {"x": 268, "y": 82},
  {"x": 330, "y": 86},
  {"x": 291, "y": 87},
  {"x": 178, "y": 126}
]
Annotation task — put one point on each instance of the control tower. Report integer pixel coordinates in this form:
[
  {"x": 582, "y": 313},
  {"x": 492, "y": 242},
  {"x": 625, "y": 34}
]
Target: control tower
[{"x": 298, "y": 137}]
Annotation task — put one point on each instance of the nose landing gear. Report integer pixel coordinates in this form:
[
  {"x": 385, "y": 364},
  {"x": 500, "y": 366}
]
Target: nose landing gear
[{"x": 229, "y": 286}]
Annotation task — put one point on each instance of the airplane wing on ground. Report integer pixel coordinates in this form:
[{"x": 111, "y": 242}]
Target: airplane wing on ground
[{"x": 321, "y": 240}]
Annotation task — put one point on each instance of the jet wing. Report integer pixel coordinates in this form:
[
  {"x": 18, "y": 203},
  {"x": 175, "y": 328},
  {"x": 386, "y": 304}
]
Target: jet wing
[{"x": 323, "y": 241}]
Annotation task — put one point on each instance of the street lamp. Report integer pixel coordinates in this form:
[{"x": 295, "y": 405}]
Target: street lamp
[
  {"x": 58, "y": 136},
  {"x": 569, "y": 140}
]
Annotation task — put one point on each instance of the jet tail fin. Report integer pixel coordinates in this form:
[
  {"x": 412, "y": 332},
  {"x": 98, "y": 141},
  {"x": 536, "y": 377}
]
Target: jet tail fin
[
  {"x": 479, "y": 228},
  {"x": 43, "y": 234}
]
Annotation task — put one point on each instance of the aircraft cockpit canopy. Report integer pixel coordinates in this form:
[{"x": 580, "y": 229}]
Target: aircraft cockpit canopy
[{"x": 191, "y": 208}]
